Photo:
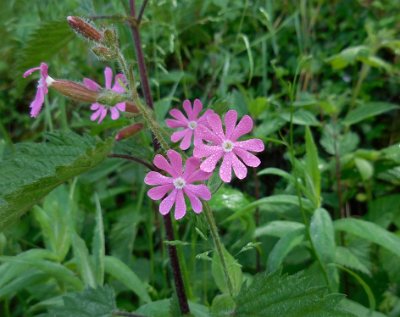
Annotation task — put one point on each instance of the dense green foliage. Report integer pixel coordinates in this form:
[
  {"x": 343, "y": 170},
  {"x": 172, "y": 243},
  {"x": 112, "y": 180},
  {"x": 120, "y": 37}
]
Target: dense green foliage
[{"x": 319, "y": 218}]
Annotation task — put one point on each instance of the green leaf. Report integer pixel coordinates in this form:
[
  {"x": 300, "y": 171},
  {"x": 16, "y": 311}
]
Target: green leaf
[
  {"x": 99, "y": 302},
  {"x": 284, "y": 296},
  {"x": 313, "y": 179},
  {"x": 44, "y": 167},
  {"x": 44, "y": 42},
  {"x": 275, "y": 200},
  {"x": 323, "y": 235},
  {"x": 347, "y": 258},
  {"x": 250, "y": 56},
  {"x": 234, "y": 272},
  {"x": 98, "y": 245},
  {"x": 368, "y": 110},
  {"x": 370, "y": 232},
  {"x": 275, "y": 171},
  {"x": 228, "y": 198},
  {"x": 161, "y": 308},
  {"x": 121, "y": 272},
  {"x": 278, "y": 228},
  {"x": 348, "y": 56},
  {"x": 83, "y": 260},
  {"x": 358, "y": 309},
  {"x": 365, "y": 168},
  {"x": 301, "y": 117},
  {"x": 222, "y": 305},
  {"x": 283, "y": 247}
]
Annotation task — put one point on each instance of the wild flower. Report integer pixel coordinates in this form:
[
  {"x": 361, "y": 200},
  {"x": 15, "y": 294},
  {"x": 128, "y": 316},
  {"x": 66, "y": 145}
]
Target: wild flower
[
  {"x": 226, "y": 146},
  {"x": 179, "y": 184},
  {"x": 45, "y": 81},
  {"x": 100, "y": 110},
  {"x": 190, "y": 123}
]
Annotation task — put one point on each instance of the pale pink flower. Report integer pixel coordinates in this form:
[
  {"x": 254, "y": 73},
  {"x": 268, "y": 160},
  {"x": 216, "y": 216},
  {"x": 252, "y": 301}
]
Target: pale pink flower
[
  {"x": 190, "y": 123},
  {"x": 100, "y": 111},
  {"x": 42, "y": 89},
  {"x": 178, "y": 184},
  {"x": 226, "y": 146}
]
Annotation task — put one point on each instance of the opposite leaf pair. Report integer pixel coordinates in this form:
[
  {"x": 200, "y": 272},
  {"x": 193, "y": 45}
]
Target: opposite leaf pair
[{"x": 219, "y": 145}]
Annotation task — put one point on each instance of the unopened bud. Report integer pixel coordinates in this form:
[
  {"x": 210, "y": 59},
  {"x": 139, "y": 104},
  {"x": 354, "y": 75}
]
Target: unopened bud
[
  {"x": 129, "y": 131},
  {"x": 130, "y": 107},
  {"x": 75, "y": 91},
  {"x": 104, "y": 53},
  {"x": 110, "y": 38},
  {"x": 84, "y": 28}
]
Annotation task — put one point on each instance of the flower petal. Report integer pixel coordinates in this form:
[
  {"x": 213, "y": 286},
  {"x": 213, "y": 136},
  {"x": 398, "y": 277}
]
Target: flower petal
[
  {"x": 162, "y": 163},
  {"x": 215, "y": 123},
  {"x": 119, "y": 79},
  {"x": 204, "y": 150},
  {"x": 178, "y": 135},
  {"x": 201, "y": 191},
  {"x": 225, "y": 171},
  {"x": 245, "y": 126},
  {"x": 95, "y": 114},
  {"x": 247, "y": 158},
  {"x": 180, "y": 205},
  {"x": 91, "y": 84},
  {"x": 238, "y": 167},
  {"x": 103, "y": 113},
  {"x": 156, "y": 193},
  {"x": 108, "y": 74},
  {"x": 30, "y": 71},
  {"x": 209, "y": 164},
  {"x": 155, "y": 178},
  {"x": 254, "y": 145},
  {"x": 208, "y": 135},
  {"x": 197, "y": 107},
  {"x": 230, "y": 122},
  {"x": 37, "y": 103},
  {"x": 187, "y": 105},
  {"x": 178, "y": 115},
  {"x": 121, "y": 106},
  {"x": 194, "y": 201},
  {"x": 187, "y": 140},
  {"x": 171, "y": 123},
  {"x": 114, "y": 113},
  {"x": 203, "y": 118},
  {"x": 192, "y": 165},
  {"x": 176, "y": 161},
  {"x": 168, "y": 202}
]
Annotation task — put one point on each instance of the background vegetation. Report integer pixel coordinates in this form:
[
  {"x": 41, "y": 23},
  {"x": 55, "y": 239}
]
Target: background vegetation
[{"x": 321, "y": 80}]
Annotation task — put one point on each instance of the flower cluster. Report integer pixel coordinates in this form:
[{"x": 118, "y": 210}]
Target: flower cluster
[
  {"x": 212, "y": 143},
  {"x": 90, "y": 91}
]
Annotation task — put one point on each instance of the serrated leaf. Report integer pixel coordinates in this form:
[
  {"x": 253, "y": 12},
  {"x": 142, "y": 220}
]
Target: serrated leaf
[
  {"x": 282, "y": 248},
  {"x": 121, "y": 272},
  {"x": 99, "y": 302},
  {"x": 44, "y": 42},
  {"x": 285, "y": 296},
  {"x": 368, "y": 110},
  {"x": 44, "y": 167},
  {"x": 370, "y": 232}
]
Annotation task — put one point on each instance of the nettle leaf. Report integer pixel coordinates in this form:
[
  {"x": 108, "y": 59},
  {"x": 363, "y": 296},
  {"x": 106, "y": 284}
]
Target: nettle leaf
[
  {"x": 35, "y": 169},
  {"x": 47, "y": 40},
  {"x": 99, "y": 302},
  {"x": 284, "y": 296}
]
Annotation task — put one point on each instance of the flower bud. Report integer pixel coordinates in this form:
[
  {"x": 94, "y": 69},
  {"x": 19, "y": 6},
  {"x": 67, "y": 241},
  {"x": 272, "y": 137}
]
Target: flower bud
[
  {"x": 104, "y": 53},
  {"x": 84, "y": 28},
  {"x": 110, "y": 38},
  {"x": 74, "y": 90},
  {"x": 130, "y": 107},
  {"x": 129, "y": 131}
]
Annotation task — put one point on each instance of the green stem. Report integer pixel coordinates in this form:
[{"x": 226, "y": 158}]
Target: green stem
[{"x": 218, "y": 244}]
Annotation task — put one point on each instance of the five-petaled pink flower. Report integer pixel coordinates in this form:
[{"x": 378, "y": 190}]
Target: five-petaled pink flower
[
  {"x": 42, "y": 89},
  {"x": 100, "y": 111},
  {"x": 226, "y": 146},
  {"x": 190, "y": 124},
  {"x": 179, "y": 184}
]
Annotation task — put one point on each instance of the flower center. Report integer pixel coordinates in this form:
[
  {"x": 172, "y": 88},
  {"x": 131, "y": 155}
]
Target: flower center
[
  {"x": 179, "y": 183},
  {"x": 192, "y": 125},
  {"x": 228, "y": 146}
]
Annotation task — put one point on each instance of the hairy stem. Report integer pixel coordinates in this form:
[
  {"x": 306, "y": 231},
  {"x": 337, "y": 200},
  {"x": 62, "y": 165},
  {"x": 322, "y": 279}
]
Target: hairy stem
[{"x": 218, "y": 244}]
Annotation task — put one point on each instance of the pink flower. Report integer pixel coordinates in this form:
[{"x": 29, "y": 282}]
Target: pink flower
[
  {"x": 190, "y": 123},
  {"x": 100, "y": 111},
  {"x": 226, "y": 146},
  {"x": 178, "y": 185},
  {"x": 45, "y": 81}
]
